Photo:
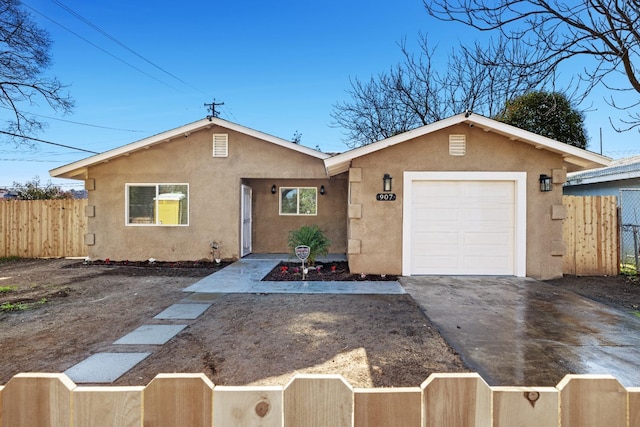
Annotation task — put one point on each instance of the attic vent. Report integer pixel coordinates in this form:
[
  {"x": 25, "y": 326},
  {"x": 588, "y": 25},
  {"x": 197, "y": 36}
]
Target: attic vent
[
  {"x": 457, "y": 145},
  {"x": 220, "y": 145}
]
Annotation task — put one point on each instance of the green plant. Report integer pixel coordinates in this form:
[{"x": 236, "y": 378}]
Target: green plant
[
  {"x": 8, "y": 258},
  {"x": 21, "y": 305},
  {"x": 5, "y": 289},
  {"x": 628, "y": 270},
  {"x": 312, "y": 236}
]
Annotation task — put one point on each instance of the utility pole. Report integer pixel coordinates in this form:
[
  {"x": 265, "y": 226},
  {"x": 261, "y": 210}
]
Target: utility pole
[{"x": 212, "y": 109}]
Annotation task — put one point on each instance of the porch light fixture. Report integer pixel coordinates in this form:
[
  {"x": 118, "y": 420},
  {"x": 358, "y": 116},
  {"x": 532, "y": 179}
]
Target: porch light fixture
[
  {"x": 322, "y": 190},
  {"x": 386, "y": 182},
  {"x": 273, "y": 189},
  {"x": 545, "y": 182}
]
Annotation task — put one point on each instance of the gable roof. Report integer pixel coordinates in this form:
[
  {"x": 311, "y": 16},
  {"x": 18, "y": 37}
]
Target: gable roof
[
  {"x": 627, "y": 168},
  {"x": 77, "y": 170},
  {"x": 575, "y": 158}
]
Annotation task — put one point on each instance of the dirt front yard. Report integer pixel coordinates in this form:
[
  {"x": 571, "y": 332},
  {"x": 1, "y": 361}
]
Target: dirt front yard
[{"x": 53, "y": 317}]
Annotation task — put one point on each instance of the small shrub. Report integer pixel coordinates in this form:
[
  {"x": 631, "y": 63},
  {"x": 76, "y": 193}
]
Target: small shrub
[
  {"x": 312, "y": 236},
  {"x": 628, "y": 270}
]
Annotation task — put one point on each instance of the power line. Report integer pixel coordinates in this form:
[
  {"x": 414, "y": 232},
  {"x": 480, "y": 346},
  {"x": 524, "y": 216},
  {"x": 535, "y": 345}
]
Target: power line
[
  {"x": 78, "y": 123},
  {"x": 121, "y": 44},
  {"x": 30, "y": 160},
  {"x": 101, "y": 49},
  {"x": 48, "y": 142}
]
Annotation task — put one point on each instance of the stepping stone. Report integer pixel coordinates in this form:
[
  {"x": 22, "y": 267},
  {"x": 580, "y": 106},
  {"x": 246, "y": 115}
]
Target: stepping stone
[
  {"x": 183, "y": 311},
  {"x": 151, "y": 334},
  {"x": 104, "y": 367}
]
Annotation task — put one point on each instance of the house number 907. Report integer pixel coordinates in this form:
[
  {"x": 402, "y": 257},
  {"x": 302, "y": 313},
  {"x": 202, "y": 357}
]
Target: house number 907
[{"x": 385, "y": 197}]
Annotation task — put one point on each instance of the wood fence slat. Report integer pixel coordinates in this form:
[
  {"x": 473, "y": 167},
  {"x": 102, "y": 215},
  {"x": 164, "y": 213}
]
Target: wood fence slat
[
  {"x": 634, "y": 406},
  {"x": 461, "y": 400},
  {"x": 456, "y": 400},
  {"x": 318, "y": 400},
  {"x": 42, "y": 400},
  {"x": 107, "y": 406},
  {"x": 3, "y": 228},
  {"x": 591, "y": 236},
  {"x": 387, "y": 407},
  {"x": 592, "y": 401},
  {"x": 1, "y": 411},
  {"x": 569, "y": 259},
  {"x": 178, "y": 400},
  {"x": 247, "y": 406},
  {"x": 526, "y": 406},
  {"x": 43, "y": 228}
]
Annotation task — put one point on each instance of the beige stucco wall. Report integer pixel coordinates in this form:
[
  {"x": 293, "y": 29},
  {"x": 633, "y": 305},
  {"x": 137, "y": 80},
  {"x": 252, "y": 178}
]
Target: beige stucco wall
[
  {"x": 375, "y": 228},
  {"x": 271, "y": 230},
  {"x": 214, "y": 191}
]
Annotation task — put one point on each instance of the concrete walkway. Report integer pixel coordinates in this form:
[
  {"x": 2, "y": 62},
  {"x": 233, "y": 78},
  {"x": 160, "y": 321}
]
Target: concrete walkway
[
  {"x": 243, "y": 276},
  {"x": 519, "y": 331}
]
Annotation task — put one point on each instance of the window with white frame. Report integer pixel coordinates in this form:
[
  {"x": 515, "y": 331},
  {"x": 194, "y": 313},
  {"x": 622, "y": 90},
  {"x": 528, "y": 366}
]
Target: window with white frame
[
  {"x": 298, "y": 201},
  {"x": 157, "y": 204}
]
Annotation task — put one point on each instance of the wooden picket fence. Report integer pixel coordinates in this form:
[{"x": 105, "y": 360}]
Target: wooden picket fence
[
  {"x": 443, "y": 400},
  {"x": 43, "y": 228},
  {"x": 591, "y": 236}
]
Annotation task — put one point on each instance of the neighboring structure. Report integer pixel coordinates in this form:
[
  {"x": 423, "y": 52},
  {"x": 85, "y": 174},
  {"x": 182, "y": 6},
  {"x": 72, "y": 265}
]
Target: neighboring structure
[
  {"x": 6, "y": 194},
  {"x": 460, "y": 196},
  {"x": 621, "y": 179},
  {"x": 606, "y": 181}
]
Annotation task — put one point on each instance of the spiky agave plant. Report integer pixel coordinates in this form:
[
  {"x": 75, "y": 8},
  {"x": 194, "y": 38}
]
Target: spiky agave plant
[{"x": 312, "y": 236}]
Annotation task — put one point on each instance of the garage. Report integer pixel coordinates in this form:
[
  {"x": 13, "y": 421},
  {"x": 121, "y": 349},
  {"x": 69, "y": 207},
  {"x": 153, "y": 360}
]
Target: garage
[{"x": 464, "y": 223}]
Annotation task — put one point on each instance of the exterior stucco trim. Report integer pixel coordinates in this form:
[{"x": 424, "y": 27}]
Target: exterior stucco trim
[{"x": 520, "y": 235}]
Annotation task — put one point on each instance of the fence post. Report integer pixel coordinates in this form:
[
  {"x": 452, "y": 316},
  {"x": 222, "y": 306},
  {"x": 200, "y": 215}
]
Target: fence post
[
  {"x": 34, "y": 399},
  {"x": 318, "y": 401},
  {"x": 592, "y": 401},
  {"x": 178, "y": 400},
  {"x": 456, "y": 400}
]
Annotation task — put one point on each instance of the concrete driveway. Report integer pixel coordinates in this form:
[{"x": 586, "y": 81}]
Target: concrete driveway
[{"x": 516, "y": 331}]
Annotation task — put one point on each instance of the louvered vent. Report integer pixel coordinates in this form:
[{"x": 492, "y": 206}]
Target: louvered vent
[
  {"x": 457, "y": 145},
  {"x": 220, "y": 145}
]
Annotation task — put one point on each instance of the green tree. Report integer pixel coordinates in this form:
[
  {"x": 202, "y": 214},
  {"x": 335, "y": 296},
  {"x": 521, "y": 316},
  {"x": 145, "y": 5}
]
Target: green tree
[
  {"x": 33, "y": 190},
  {"x": 24, "y": 56},
  {"x": 548, "y": 114}
]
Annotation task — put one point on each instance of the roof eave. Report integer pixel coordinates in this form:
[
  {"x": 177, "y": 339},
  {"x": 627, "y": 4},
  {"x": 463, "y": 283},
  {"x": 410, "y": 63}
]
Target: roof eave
[
  {"x": 579, "y": 159},
  {"x": 77, "y": 169}
]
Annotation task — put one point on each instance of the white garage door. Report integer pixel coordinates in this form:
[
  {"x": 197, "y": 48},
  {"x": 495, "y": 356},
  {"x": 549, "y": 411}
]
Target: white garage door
[{"x": 463, "y": 227}]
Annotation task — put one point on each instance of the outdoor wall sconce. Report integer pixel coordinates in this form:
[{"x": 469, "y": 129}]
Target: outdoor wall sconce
[
  {"x": 386, "y": 182},
  {"x": 273, "y": 189},
  {"x": 545, "y": 182},
  {"x": 322, "y": 190}
]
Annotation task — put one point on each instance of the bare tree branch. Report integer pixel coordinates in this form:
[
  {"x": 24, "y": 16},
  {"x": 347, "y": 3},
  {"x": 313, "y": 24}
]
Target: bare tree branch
[
  {"x": 416, "y": 92},
  {"x": 605, "y": 31},
  {"x": 24, "y": 56}
]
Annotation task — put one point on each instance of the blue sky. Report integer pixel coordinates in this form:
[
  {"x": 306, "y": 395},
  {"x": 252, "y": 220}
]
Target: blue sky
[{"x": 278, "y": 66}]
